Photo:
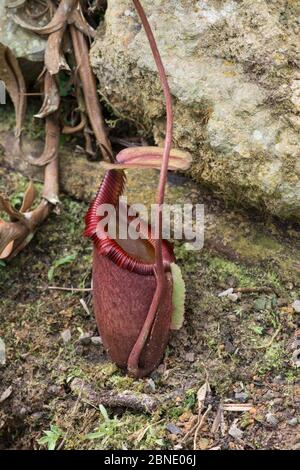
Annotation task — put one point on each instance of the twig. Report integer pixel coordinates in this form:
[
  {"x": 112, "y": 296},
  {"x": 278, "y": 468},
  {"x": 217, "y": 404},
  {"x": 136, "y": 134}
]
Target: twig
[
  {"x": 85, "y": 307},
  {"x": 253, "y": 289},
  {"x": 201, "y": 395},
  {"x": 199, "y": 426},
  {"x": 67, "y": 289}
]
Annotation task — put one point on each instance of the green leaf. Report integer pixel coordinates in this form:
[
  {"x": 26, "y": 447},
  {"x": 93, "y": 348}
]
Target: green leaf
[
  {"x": 257, "y": 329},
  {"x": 59, "y": 262},
  {"x": 95, "y": 435},
  {"x": 104, "y": 413},
  {"x": 178, "y": 297},
  {"x": 2, "y": 263},
  {"x": 51, "y": 437}
]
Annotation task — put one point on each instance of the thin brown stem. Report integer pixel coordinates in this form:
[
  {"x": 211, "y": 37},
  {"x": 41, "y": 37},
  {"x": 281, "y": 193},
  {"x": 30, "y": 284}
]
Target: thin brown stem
[
  {"x": 15, "y": 235},
  {"x": 66, "y": 289},
  {"x": 133, "y": 360},
  {"x": 169, "y": 134},
  {"x": 81, "y": 52}
]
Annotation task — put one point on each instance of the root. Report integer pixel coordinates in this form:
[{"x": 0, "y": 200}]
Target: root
[
  {"x": 64, "y": 21},
  {"x": 110, "y": 399}
]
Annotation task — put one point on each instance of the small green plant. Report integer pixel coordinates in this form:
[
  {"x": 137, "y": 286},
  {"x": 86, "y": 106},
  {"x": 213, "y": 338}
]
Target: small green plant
[
  {"x": 60, "y": 262},
  {"x": 190, "y": 399},
  {"x": 51, "y": 437},
  {"x": 257, "y": 329},
  {"x": 106, "y": 429}
]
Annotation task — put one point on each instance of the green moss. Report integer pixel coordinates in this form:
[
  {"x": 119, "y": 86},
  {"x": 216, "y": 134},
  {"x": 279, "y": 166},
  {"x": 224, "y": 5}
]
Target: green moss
[
  {"x": 273, "y": 359},
  {"x": 222, "y": 269}
]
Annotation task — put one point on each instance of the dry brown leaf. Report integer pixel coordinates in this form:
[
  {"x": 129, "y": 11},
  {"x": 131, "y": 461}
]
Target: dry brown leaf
[
  {"x": 7, "y": 250},
  {"x": 11, "y": 235},
  {"x": 201, "y": 396},
  {"x": 50, "y": 151},
  {"x": 12, "y": 76},
  {"x": 51, "y": 97},
  {"x": 80, "y": 22},
  {"x": 6, "y": 394},
  {"x": 218, "y": 420},
  {"x": 29, "y": 197},
  {"x": 58, "y": 21},
  {"x": 5, "y": 206},
  {"x": 54, "y": 57}
]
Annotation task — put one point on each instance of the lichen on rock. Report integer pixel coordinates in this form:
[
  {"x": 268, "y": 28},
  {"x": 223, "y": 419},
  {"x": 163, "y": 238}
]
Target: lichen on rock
[
  {"x": 233, "y": 69},
  {"x": 24, "y": 44}
]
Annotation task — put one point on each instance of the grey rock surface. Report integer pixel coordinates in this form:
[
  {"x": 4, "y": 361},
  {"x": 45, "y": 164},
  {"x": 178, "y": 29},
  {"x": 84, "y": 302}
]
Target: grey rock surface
[
  {"x": 234, "y": 73},
  {"x": 23, "y": 44}
]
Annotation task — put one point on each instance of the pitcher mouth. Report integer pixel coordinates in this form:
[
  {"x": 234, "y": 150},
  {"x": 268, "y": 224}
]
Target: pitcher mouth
[
  {"x": 133, "y": 255},
  {"x": 136, "y": 256}
]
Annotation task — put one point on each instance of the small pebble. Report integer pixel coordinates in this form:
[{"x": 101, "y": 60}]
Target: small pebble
[
  {"x": 271, "y": 419},
  {"x": 242, "y": 397},
  {"x": 293, "y": 422},
  {"x": 296, "y": 306},
  {"x": 229, "y": 347},
  {"x": 66, "y": 336},
  {"x": 296, "y": 358},
  {"x": 235, "y": 432},
  {"x": 296, "y": 343},
  {"x": 226, "y": 292},
  {"x": 173, "y": 429},
  {"x": 270, "y": 394},
  {"x": 190, "y": 357},
  {"x": 150, "y": 386},
  {"x": 233, "y": 297},
  {"x": 23, "y": 411},
  {"x": 128, "y": 13},
  {"x": 96, "y": 340}
]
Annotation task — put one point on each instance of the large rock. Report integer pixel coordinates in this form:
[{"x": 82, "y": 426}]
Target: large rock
[
  {"x": 233, "y": 68},
  {"x": 24, "y": 44}
]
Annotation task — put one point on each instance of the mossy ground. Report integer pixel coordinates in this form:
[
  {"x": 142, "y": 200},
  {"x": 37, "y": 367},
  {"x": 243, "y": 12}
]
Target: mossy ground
[{"x": 229, "y": 342}]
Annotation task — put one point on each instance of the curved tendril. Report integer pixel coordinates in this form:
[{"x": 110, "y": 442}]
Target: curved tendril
[{"x": 133, "y": 360}]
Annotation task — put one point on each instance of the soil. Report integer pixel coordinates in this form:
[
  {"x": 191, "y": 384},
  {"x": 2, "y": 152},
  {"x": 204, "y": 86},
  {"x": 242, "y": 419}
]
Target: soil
[{"x": 243, "y": 348}]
